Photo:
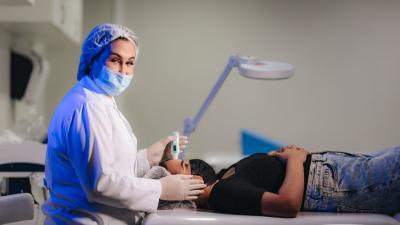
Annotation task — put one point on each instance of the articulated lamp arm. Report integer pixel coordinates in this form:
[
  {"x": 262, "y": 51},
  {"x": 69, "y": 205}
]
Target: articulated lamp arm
[
  {"x": 249, "y": 66},
  {"x": 191, "y": 123}
]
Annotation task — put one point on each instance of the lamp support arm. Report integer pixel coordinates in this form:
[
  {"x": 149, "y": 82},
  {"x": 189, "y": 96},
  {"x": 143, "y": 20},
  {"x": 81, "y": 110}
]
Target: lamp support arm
[{"x": 190, "y": 123}]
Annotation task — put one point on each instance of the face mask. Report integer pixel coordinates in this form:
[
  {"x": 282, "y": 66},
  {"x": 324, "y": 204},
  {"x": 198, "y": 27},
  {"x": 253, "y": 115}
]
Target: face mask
[{"x": 110, "y": 81}]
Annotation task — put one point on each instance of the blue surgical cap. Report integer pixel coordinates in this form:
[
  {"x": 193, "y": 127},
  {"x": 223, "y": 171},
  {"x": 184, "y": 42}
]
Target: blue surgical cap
[{"x": 100, "y": 37}]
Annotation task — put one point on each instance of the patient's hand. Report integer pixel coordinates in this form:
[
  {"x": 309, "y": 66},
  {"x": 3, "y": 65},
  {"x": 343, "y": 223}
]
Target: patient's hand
[
  {"x": 292, "y": 152},
  {"x": 283, "y": 149}
]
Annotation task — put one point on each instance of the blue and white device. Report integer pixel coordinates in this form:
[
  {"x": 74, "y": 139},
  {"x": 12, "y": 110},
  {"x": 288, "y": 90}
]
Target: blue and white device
[{"x": 175, "y": 146}]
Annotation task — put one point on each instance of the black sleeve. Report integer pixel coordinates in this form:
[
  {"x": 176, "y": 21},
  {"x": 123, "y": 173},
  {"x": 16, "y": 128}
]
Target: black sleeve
[{"x": 236, "y": 195}]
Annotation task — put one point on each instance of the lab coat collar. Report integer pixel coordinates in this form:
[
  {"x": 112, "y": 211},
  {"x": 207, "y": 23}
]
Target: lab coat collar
[{"x": 89, "y": 84}]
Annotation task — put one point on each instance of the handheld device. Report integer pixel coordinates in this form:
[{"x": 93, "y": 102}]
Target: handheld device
[{"x": 175, "y": 146}]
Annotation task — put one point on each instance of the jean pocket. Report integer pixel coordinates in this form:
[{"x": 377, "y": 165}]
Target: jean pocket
[
  {"x": 352, "y": 171},
  {"x": 347, "y": 209},
  {"x": 329, "y": 175}
]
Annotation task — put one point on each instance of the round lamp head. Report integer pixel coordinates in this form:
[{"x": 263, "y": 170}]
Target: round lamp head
[{"x": 266, "y": 70}]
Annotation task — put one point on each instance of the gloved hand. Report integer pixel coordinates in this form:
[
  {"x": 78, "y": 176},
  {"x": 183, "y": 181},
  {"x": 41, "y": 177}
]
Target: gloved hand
[
  {"x": 161, "y": 150},
  {"x": 180, "y": 187}
]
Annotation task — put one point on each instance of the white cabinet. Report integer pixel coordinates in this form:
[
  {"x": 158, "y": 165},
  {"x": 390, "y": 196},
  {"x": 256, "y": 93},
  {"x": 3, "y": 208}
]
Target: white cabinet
[
  {"x": 17, "y": 2},
  {"x": 47, "y": 21}
]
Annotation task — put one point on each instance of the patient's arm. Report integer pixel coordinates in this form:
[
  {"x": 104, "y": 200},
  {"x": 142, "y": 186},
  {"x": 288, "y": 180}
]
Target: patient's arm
[{"x": 287, "y": 202}]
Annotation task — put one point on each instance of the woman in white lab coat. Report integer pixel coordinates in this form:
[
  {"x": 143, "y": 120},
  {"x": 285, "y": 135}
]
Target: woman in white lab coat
[{"x": 93, "y": 169}]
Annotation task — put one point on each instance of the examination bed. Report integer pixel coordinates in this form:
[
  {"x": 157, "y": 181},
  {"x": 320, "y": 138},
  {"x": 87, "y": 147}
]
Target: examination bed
[
  {"x": 250, "y": 141},
  {"x": 194, "y": 217}
]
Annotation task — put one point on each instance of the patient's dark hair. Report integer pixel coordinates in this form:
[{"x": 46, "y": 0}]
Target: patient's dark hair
[
  {"x": 162, "y": 164},
  {"x": 201, "y": 168}
]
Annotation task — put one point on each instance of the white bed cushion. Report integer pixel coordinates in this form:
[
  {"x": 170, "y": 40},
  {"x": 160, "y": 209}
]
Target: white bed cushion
[{"x": 193, "y": 217}]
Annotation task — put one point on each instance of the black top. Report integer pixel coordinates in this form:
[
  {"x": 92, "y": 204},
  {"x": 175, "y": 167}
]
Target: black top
[{"x": 241, "y": 193}]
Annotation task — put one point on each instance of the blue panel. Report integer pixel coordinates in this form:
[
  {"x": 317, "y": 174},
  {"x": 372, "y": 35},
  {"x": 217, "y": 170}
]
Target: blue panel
[{"x": 253, "y": 142}]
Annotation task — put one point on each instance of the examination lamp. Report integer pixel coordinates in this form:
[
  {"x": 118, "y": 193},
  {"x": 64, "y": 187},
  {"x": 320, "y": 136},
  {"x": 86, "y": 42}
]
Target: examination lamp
[{"x": 249, "y": 66}]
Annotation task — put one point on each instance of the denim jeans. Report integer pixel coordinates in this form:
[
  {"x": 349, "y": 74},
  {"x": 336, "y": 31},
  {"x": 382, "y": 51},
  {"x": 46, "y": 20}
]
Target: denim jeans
[{"x": 360, "y": 183}]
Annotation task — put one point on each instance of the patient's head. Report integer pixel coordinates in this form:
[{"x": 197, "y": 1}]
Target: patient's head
[
  {"x": 177, "y": 166},
  {"x": 199, "y": 169},
  {"x": 193, "y": 167}
]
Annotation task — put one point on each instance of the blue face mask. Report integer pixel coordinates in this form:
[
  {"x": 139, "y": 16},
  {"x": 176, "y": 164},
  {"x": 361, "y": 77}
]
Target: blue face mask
[{"x": 110, "y": 81}]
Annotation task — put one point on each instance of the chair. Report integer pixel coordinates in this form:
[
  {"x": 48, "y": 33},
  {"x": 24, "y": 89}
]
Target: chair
[
  {"x": 11, "y": 206},
  {"x": 22, "y": 165}
]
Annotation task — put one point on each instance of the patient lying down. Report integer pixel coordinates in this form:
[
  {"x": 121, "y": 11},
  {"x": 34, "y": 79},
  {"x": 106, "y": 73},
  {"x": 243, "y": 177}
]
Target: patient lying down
[{"x": 290, "y": 179}]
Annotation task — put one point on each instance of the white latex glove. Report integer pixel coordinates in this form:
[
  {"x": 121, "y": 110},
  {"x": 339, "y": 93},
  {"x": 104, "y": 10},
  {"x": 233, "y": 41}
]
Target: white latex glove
[
  {"x": 161, "y": 150},
  {"x": 180, "y": 187}
]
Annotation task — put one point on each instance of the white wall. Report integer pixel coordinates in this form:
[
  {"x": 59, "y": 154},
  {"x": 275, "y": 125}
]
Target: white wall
[
  {"x": 65, "y": 59},
  {"x": 6, "y": 107},
  {"x": 344, "y": 95}
]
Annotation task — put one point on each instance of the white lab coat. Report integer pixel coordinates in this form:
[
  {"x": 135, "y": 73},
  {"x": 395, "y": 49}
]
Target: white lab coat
[{"x": 93, "y": 168}]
